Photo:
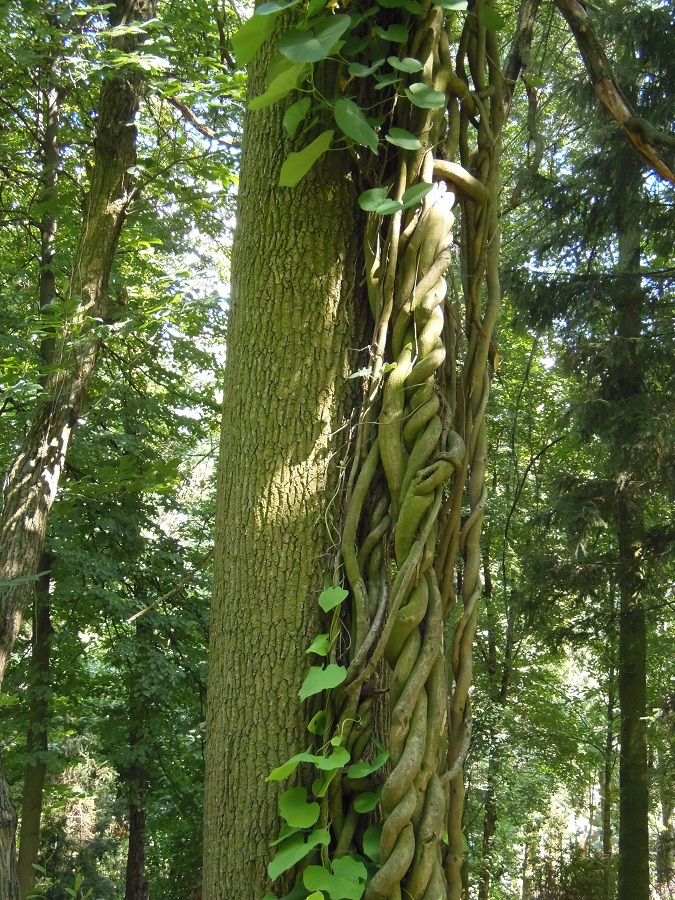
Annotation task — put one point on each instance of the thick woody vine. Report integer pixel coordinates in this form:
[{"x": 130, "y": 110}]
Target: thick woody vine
[{"x": 423, "y": 124}]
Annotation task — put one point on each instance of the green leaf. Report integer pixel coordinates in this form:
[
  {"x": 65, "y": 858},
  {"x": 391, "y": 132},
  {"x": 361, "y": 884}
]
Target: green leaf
[
  {"x": 397, "y": 34},
  {"x": 282, "y": 85},
  {"x": 371, "y": 842},
  {"x": 534, "y": 81},
  {"x": 250, "y": 37},
  {"x": 319, "y": 679},
  {"x": 457, "y": 5},
  {"x": 298, "y": 164},
  {"x": 415, "y": 194},
  {"x": 295, "y": 114},
  {"x": 360, "y": 71},
  {"x": 332, "y": 597},
  {"x": 320, "y": 785},
  {"x": 492, "y": 19},
  {"x": 284, "y": 832},
  {"x": 274, "y": 6},
  {"x": 338, "y": 758},
  {"x": 296, "y": 849},
  {"x": 294, "y": 807},
  {"x": 320, "y": 645},
  {"x": 411, "y": 5},
  {"x": 352, "y": 122},
  {"x": 284, "y": 770},
  {"x": 375, "y": 200},
  {"x": 407, "y": 64},
  {"x": 367, "y": 802},
  {"x": 316, "y": 43},
  {"x": 345, "y": 882},
  {"x": 316, "y": 895},
  {"x": 399, "y": 137},
  {"x": 425, "y": 97},
  {"x": 318, "y": 723},
  {"x": 385, "y": 80},
  {"x": 361, "y": 769}
]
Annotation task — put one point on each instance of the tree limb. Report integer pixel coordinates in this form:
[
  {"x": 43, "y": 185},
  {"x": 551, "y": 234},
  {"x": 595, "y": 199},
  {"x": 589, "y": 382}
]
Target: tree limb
[{"x": 640, "y": 133}]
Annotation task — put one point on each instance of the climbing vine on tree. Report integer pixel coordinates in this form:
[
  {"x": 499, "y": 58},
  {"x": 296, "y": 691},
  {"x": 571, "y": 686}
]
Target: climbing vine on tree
[{"x": 423, "y": 129}]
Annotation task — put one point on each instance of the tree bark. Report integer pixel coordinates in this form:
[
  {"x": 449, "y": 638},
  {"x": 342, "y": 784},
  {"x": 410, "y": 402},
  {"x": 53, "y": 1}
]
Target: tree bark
[
  {"x": 32, "y": 481},
  {"x": 295, "y": 306},
  {"x": 626, "y": 387},
  {"x": 37, "y": 741}
]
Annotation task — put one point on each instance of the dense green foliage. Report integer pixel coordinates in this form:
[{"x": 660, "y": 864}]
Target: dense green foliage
[{"x": 132, "y": 527}]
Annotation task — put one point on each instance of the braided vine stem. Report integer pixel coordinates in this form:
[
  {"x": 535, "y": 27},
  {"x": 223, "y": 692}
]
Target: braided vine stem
[{"x": 409, "y": 551}]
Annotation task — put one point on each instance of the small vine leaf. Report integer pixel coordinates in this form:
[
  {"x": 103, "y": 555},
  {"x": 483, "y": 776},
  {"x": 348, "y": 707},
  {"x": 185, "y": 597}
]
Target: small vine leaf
[
  {"x": 407, "y": 64},
  {"x": 367, "y": 802},
  {"x": 389, "y": 207},
  {"x": 315, "y": 6},
  {"x": 354, "y": 45},
  {"x": 283, "y": 84},
  {"x": 345, "y": 882},
  {"x": 319, "y": 679},
  {"x": 455, "y": 5},
  {"x": 370, "y": 200},
  {"x": 492, "y": 19},
  {"x": 332, "y": 597},
  {"x": 295, "y": 849},
  {"x": 387, "y": 367},
  {"x": 274, "y": 6},
  {"x": 358, "y": 70},
  {"x": 352, "y": 122},
  {"x": 295, "y": 114},
  {"x": 316, "y": 43},
  {"x": 316, "y": 895},
  {"x": 298, "y": 164},
  {"x": 284, "y": 832},
  {"x": 397, "y": 34},
  {"x": 337, "y": 760},
  {"x": 415, "y": 194},
  {"x": 320, "y": 785},
  {"x": 425, "y": 97},
  {"x": 384, "y": 81},
  {"x": 336, "y": 741},
  {"x": 248, "y": 39},
  {"x": 287, "y": 768},
  {"x": 399, "y": 137},
  {"x": 294, "y": 807},
  {"x": 320, "y": 645},
  {"x": 371, "y": 842},
  {"x": 317, "y": 724},
  {"x": 361, "y": 769},
  {"x": 361, "y": 373}
]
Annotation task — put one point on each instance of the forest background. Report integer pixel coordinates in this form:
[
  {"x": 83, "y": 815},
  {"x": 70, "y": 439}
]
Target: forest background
[{"x": 104, "y": 703}]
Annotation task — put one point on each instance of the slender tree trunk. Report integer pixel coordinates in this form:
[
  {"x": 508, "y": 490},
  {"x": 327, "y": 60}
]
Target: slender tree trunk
[
  {"x": 37, "y": 742},
  {"x": 295, "y": 303},
  {"x": 606, "y": 793},
  {"x": 633, "y": 881},
  {"x": 136, "y": 781},
  {"x": 31, "y": 484}
]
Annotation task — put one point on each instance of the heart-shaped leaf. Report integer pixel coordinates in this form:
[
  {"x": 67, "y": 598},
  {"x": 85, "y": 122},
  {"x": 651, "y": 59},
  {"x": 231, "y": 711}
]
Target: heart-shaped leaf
[
  {"x": 319, "y": 679},
  {"x": 295, "y": 114},
  {"x": 298, "y": 164},
  {"x": 294, "y": 807},
  {"x": 332, "y": 597},
  {"x": 352, "y": 122},
  {"x": 399, "y": 137},
  {"x": 425, "y": 97},
  {"x": 317, "y": 42},
  {"x": 407, "y": 64}
]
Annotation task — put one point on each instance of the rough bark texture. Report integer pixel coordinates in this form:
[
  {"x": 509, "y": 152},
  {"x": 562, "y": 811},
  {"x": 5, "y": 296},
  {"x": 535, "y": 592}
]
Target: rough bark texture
[
  {"x": 37, "y": 741},
  {"x": 294, "y": 301}
]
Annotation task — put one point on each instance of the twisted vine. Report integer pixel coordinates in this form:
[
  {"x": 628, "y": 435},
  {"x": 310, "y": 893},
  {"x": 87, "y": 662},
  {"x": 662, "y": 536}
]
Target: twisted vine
[{"x": 414, "y": 503}]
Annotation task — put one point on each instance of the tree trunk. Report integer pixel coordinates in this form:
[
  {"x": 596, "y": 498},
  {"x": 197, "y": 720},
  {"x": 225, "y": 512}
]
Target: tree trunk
[
  {"x": 295, "y": 303},
  {"x": 606, "y": 793},
  {"x": 32, "y": 481},
  {"x": 37, "y": 742},
  {"x": 135, "y": 780},
  {"x": 633, "y": 881}
]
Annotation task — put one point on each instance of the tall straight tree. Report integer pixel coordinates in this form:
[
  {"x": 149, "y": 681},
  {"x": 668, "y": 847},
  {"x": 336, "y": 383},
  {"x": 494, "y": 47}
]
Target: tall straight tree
[{"x": 31, "y": 483}]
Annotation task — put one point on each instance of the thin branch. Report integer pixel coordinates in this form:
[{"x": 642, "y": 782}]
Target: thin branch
[
  {"x": 175, "y": 590},
  {"x": 190, "y": 117},
  {"x": 641, "y": 134}
]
